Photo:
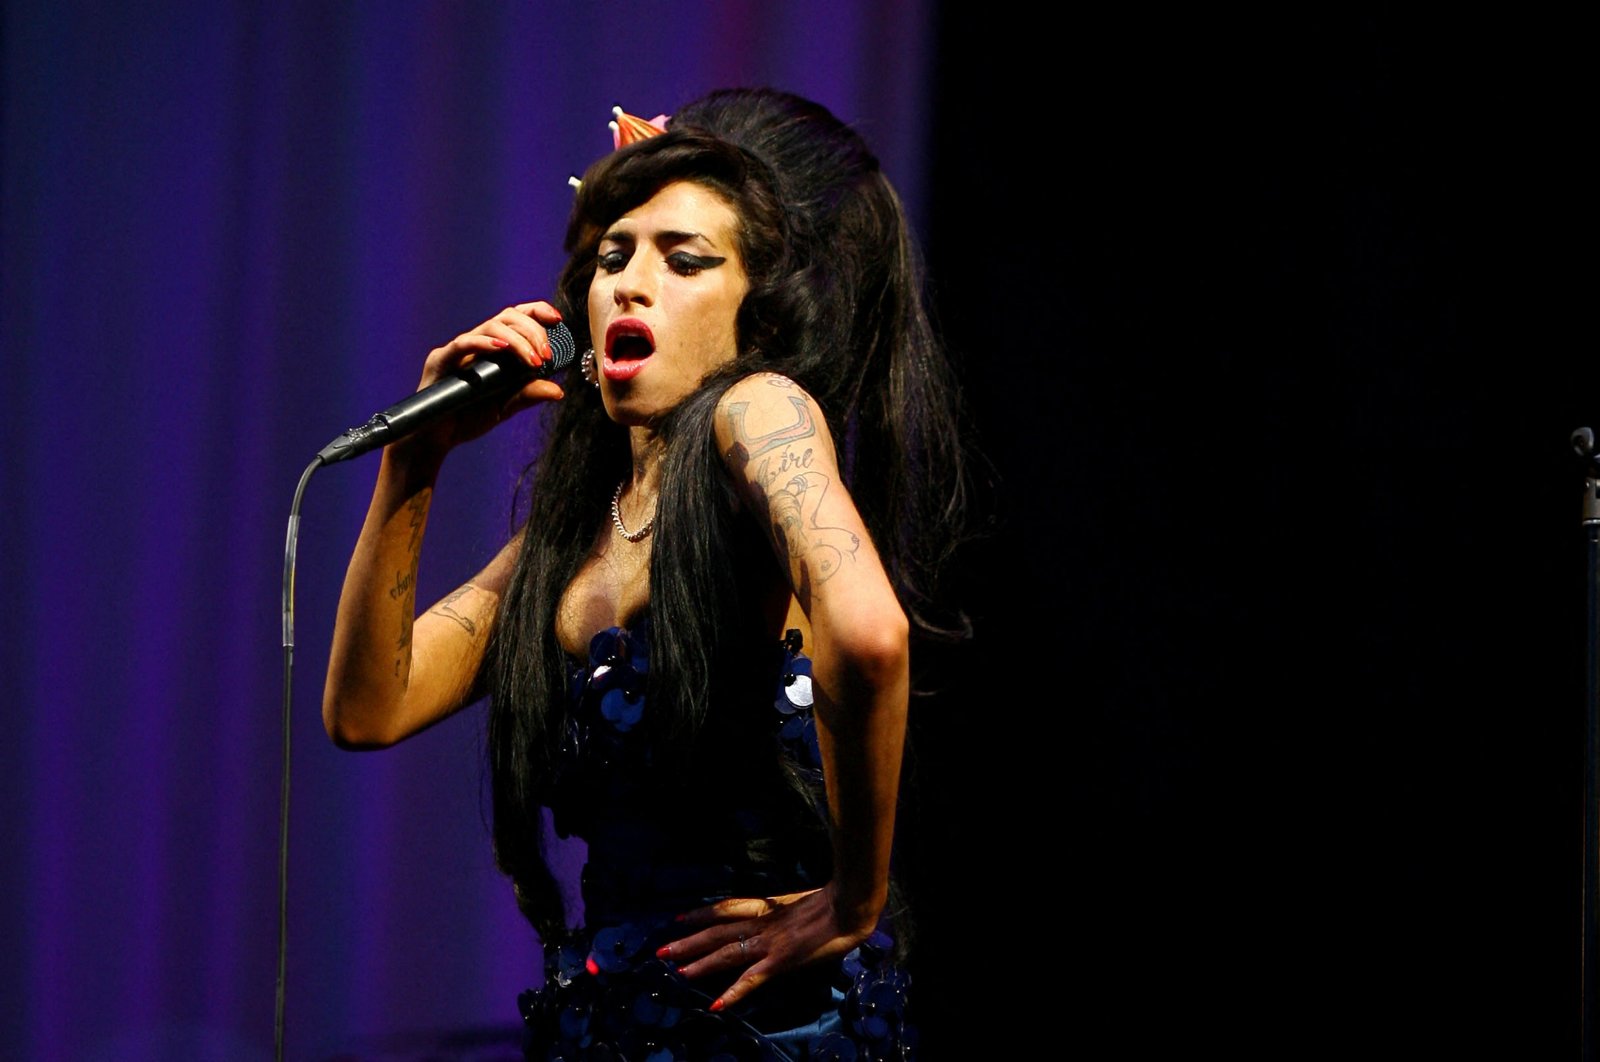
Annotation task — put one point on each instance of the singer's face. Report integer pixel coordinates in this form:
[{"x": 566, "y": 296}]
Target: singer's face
[{"x": 663, "y": 302}]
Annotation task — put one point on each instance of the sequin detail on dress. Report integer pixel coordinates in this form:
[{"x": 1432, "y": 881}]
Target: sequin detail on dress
[{"x": 605, "y": 994}]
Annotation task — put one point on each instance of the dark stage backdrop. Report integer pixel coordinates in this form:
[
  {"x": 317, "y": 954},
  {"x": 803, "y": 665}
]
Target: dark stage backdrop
[
  {"x": 1276, "y": 329},
  {"x": 1268, "y": 741}
]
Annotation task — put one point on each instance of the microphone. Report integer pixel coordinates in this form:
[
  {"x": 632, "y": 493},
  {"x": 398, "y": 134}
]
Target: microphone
[{"x": 482, "y": 379}]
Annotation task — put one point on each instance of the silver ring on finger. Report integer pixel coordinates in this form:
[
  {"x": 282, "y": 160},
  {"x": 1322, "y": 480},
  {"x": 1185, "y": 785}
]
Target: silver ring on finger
[{"x": 741, "y": 945}]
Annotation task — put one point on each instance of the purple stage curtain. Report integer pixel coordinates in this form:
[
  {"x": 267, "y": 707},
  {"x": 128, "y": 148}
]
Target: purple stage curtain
[{"x": 231, "y": 230}]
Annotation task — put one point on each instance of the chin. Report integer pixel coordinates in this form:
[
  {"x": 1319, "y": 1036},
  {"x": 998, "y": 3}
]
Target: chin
[{"x": 631, "y": 411}]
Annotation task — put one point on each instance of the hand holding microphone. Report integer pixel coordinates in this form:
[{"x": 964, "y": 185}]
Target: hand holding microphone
[{"x": 506, "y": 359}]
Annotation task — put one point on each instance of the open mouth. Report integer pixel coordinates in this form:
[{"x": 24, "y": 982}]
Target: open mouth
[
  {"x": 629, "y": 348},
  {"x": 629, "y": 339},
  {"x": 629, "y": 345}
]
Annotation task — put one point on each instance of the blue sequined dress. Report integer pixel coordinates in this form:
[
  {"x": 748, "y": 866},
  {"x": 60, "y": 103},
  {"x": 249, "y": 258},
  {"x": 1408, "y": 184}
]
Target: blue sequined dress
[{"x": 664, "y": 840}]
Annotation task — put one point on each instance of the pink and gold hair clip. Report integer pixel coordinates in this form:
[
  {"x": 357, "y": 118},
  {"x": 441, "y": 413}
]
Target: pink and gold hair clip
[{"x": 629, "y": 129}]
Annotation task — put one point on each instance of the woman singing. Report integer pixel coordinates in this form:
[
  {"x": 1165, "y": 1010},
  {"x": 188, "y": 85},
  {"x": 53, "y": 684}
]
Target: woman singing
[{"x": 697, "y": 648}]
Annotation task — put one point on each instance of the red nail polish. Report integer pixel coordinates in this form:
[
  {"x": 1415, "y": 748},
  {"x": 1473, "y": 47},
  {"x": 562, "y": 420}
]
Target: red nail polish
[
  {"x": 663, "y": 951},
  {"x": 717, "y": 1005},
  {"x": 590, "y": 965},
  {"x": 498, "y": 343}
]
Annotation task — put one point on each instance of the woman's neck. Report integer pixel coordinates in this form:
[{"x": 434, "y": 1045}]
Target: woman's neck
[{"x": 644, "y": 479}]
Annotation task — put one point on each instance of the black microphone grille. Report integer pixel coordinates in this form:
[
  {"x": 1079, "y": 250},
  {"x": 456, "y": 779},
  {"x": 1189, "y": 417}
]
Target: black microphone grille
[{"x": 562, "y": 345}]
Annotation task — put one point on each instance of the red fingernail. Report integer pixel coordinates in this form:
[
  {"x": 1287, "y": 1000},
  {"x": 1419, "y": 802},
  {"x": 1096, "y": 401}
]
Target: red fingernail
[
  {"x": 663, "y": 951},
  {"x": 498, "y": 343},
  {"x": 590, "y": 965},
  {"x": 717, "y": 1005}
]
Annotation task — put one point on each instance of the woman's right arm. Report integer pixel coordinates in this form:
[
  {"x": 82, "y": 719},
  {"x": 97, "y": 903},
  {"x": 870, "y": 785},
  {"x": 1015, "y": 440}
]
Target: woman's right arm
[{"x": 392, "y": 673}]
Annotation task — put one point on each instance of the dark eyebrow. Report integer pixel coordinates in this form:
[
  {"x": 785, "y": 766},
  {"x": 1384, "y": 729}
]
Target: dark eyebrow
[
  {"x": 672, "y": 236},
  {"x": 669, "y": 237}
]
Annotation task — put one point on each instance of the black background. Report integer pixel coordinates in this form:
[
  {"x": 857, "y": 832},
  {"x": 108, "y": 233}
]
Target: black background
[{"x": 1274, "y": 332}]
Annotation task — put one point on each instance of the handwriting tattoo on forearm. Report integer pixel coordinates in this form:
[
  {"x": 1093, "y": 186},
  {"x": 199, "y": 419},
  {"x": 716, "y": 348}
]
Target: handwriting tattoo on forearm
[
  {"x": 405, "y": 584},
  {"x": 405, "y": 589},
  {"x": 417, "y": 506}
]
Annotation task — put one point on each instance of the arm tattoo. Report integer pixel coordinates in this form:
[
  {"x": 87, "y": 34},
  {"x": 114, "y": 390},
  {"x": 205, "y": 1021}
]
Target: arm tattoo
[
  {"x": 816, "y": 553},
  {"x": 444, "y": 609},
  {"x": 417, "y": 506},
  {"x": 405, "y": 591},
  {"x": 405, "y": 585},
  {"x": 793, "y": 494},
  {"x": 757, "y": 445}
]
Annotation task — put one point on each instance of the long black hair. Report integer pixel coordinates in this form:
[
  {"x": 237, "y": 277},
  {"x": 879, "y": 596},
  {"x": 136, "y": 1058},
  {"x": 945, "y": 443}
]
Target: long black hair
[{"x": 835, "y": 303}]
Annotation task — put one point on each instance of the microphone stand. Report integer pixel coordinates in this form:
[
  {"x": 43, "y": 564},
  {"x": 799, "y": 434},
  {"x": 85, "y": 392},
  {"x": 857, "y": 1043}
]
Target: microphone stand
[{"x": 1583, "y": 441}]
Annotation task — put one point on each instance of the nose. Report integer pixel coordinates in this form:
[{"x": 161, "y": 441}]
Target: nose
[{"x": 636, "y": 283}]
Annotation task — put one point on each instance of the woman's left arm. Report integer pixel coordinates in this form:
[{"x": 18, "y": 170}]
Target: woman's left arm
[{"x": 775, "y": 441}]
